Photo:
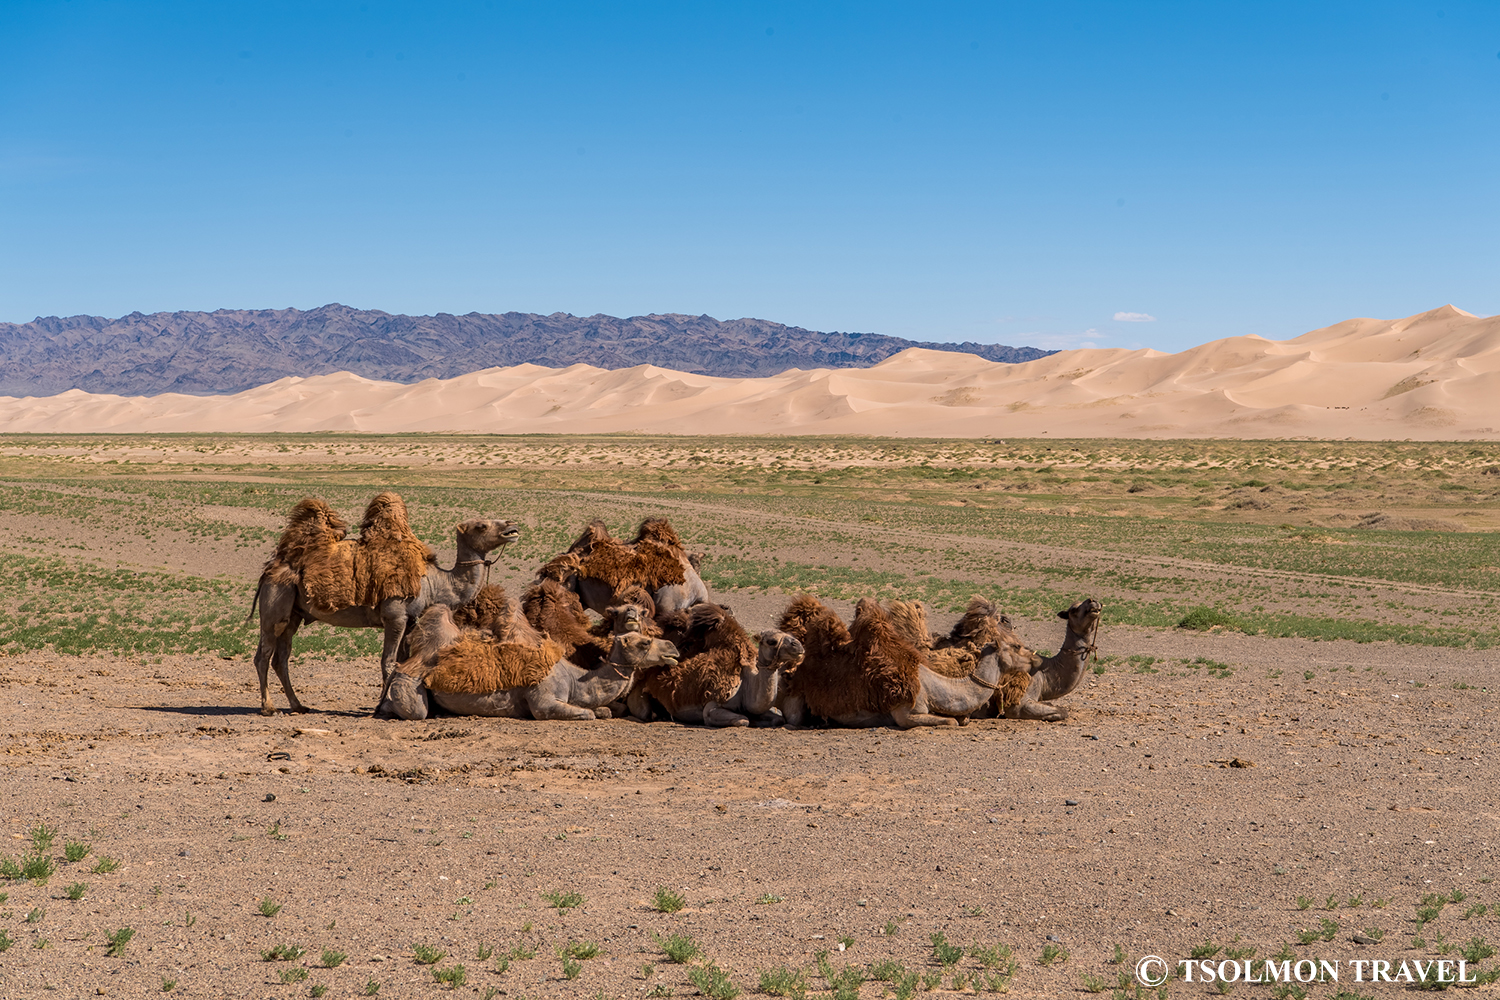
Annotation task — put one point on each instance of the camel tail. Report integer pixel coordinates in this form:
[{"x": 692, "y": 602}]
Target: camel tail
[{"x": 254, "y": 598}]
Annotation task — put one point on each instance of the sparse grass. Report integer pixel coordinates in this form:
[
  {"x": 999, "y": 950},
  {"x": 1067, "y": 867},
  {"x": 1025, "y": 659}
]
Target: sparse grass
[
  {"x": 767, "y": 899},
  {"x": 5, "y": 940},
  {"x": 371, "y": 988},
  {"x": 679, "y": 948},
  {"x": 268, "y": 907},
  {"x": 563, "y": 901},
  {"x": 317, "y": 990},
  {"x": 38, "y": 868},
  {"x": 296, "y": 974},
  {"x": 571, "y": 967},
  {"x": 283, "y": 953},
  {"x": 520, "y": 953},
  {"x": 1052, "y": 953},
  {"x": 333, "y": 959},
  {"x": 784, "y": 982},
  {"x": 713, "y": 982},
  {"x": 36, "y": 915},
  {"x": 580, "y": 949},
  {"x": 42, "y": 837},
  {"x": 667, "y": 901},
  {"x": 76, "y": 890},
  {"x": 1205, "y": 950},
  {"x": 452, "y": 977},
  {"x": 428, "y": 955},
  {"x": 1303, "y": 902},
  {"x": 944, "y": 953},
  {"x": 991, "y": 956},
  {"x": 1476, "y": 951},
  {"x": 117, "y": 940},
  {"x": 891, "y": 928},
  {"x": 168, "y": 985}
]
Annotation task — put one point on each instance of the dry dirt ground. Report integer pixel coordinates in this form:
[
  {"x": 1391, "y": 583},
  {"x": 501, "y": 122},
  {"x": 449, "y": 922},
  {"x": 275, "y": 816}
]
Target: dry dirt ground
[
  {"x": 1217, "y": 787},
  {"x": 1367, "y": 785}
]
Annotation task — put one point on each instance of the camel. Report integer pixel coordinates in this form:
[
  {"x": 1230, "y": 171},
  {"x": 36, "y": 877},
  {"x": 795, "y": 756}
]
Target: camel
[
  {"x": 721, "y": 674},
  {"x": 373, "y": 582},
  {"x": 599, "y": 567},
  {"x": 469, "y": 673},
  {"x": 557, "y": 613},
  {"x": 1056, "y": 676},
  {"x": 1021, "y": 695},
  {"x": 871, "y": 675}
]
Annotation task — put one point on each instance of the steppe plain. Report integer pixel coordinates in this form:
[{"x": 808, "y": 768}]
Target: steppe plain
[{"x": 1290, "y": 735}]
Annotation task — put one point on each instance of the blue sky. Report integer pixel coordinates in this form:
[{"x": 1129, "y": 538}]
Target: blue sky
[{"x": 1013, "y": 173}]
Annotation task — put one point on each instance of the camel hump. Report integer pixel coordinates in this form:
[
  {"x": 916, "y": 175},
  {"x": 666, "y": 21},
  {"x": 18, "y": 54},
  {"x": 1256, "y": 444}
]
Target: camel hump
[
  {"x": 391, "y": 560},
  {"x": 658, "y": 530},
  {"x": 889, "y": 663},
  {"x": 480, "y": 665},
  {"x": 815, "y": 625},
  {"x": 593, "y": 534},
  {"x": 386, "y": 517},
  {"x": 910, "y": 620},
  {"x": 312, "y": 524}
]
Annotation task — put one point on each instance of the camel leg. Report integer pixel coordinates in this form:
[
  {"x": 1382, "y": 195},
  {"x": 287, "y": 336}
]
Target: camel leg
[
  {"x": 715, "y": 717},
  {"x": 263, "y": 652},
  {"x": 393, "y": 617},
  {"x": 794, "y": 710},
  {"x": 544, "y": 706},
  {"x": 281, "y": 661},
  {"x": 1037, "y": 711},
  {"x": 907, "y": 718},
  {"x": 639, "y": 704}
]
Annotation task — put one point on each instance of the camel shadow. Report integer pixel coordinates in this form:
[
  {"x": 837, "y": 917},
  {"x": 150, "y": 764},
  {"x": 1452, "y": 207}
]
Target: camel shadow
[{"x": 220, "y": 711}]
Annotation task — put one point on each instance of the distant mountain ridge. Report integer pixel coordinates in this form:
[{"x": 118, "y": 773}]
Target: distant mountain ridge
[{"x": 231, "y": 350}]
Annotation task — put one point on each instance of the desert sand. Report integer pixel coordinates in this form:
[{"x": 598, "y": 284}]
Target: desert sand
[{"x": 1433, "y": 376}]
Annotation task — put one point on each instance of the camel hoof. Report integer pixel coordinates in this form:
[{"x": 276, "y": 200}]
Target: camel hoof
[
  {"x": 268, "y": 712},
  {"x": 963, "y": 720}
]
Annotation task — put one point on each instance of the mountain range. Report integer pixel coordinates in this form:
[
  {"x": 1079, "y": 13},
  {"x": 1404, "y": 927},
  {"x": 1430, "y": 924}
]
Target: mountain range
[{"x": 231, "y": 350}]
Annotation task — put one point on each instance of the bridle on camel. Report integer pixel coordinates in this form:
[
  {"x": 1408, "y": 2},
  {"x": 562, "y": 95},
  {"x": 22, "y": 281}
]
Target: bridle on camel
[{"x": 487, "y": 564}]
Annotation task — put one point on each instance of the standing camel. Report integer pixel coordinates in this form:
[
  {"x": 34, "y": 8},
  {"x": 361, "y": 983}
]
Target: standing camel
[{"x": 318, "y": 575}]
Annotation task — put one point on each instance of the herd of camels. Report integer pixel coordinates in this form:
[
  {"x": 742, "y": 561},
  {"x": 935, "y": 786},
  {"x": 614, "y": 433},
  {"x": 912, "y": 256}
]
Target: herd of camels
[{"x": 659, "y": 649}]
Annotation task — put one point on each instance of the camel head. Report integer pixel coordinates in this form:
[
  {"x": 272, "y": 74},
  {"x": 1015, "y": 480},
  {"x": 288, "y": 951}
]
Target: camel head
[
  {"x": 778, "y": 651},
  {"x": 1083, "y": 616},
  {"x": 625, "y": 618},
  {"x": 488, "y": 535},
  {"x": 635, "y": 651}
]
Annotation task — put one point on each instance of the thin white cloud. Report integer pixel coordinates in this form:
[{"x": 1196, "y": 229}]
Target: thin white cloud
[
  {"x": 1062, "y": 341},
  {"x": 1125, "y": 317}
]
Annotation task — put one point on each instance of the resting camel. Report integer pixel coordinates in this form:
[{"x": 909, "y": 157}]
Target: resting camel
[
  {"x": 1056, "y": 676},
  {"x": 723, "y": 677},
  {"x": 599, "y": 568},
  {"x": 868, "y": 675},
  {"x": 470, "y": 673},
  {"x": 384, "y": 579},
  {"x": 1022, "y": 693}
]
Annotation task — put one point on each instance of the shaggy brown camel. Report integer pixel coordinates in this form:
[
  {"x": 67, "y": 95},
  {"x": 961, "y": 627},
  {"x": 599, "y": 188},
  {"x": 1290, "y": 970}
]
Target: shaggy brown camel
[
  {"x": 599, "y": 567},
  {"x": 472, "y": 674},
  {"x": 1020, "y": 695},
  {"x": 869, "y": 675},
  {"x": 316, "y": 569},
  {"x": 721, "y": 674},
  {"x": 557, "y": 613}
]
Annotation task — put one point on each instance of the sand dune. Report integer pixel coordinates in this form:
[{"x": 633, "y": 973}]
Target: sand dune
[{"x": 1433, "y": 376}]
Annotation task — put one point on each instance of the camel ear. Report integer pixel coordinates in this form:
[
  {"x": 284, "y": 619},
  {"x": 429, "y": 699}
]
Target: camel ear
[{"x": 1062, "y": 614}]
